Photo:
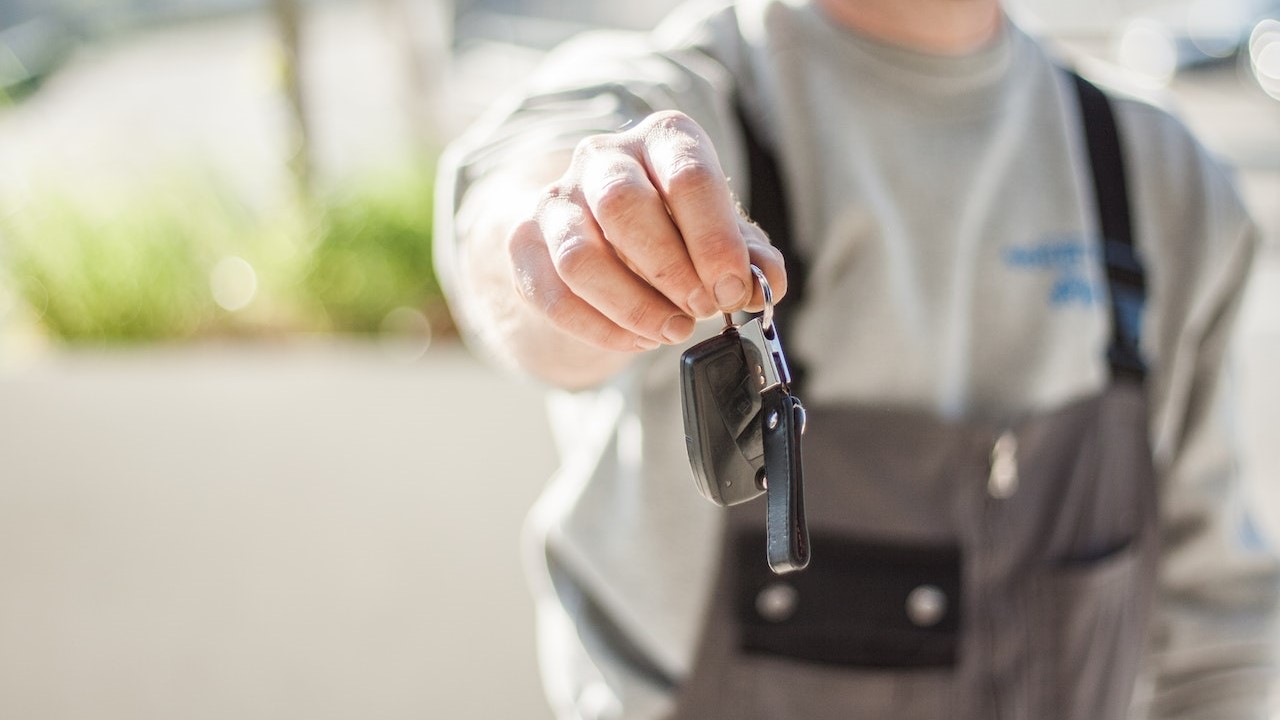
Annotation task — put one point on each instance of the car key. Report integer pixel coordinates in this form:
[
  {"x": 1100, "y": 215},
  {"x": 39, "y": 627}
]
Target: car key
[
  {"x": 743, "y": 428},
  {"x": 723, "y": 434}
]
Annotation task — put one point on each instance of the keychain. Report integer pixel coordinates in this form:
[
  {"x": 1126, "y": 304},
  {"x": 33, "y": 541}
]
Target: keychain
[{"x": 743, "y": 428}]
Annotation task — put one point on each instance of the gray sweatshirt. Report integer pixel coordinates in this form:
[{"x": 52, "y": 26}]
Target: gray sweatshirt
[{"x": 944, "y": 210}]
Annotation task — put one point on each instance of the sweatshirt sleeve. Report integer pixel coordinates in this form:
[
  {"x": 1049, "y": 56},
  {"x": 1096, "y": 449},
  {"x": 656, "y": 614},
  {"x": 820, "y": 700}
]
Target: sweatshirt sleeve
[
  {"x": 1214, "y": 632},
  {"x": 600, "y": 82}
]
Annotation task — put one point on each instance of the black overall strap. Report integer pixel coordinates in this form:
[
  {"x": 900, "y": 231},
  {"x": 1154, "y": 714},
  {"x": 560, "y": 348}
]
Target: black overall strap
[
  {"x": 768, "y": 207},
  {"x": 1126, "y": 278}
]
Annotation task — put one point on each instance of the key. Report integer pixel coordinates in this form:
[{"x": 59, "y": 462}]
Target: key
[
  {"x": 743, "y": 428},
  {"x": 721, "y": 403}
]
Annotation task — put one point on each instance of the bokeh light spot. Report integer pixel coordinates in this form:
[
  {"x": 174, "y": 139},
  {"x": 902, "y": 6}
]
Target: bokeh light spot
[
  {"x": 405, "y": 334},
  {"x": 1216, "y": 26},
  {"x": 1264, "y": 54},
  {"x": 1268, "y": 62},
  {"x": 233, "y": 283}
]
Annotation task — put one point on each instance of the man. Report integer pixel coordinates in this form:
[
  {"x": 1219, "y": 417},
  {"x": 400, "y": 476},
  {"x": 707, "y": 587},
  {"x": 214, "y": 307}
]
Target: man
[{"x": 1018, "y": 464}]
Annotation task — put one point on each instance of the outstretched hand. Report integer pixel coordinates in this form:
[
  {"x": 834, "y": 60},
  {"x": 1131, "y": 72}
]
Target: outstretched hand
[{"x": 639, "y": 237}]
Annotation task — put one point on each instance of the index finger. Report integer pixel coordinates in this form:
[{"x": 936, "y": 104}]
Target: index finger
[{"x": 686, "y": 171}]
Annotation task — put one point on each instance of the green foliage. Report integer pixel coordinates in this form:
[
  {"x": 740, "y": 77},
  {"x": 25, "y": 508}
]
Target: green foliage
[
  {"x": 372, "y": 252},
  {"x": 122, "y": 269},
  {"x": 139, "y": 264}
]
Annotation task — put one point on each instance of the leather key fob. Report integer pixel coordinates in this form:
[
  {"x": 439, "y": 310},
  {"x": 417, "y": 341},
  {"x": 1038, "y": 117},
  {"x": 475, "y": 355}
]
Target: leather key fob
[{"x": 787, "y": 534}]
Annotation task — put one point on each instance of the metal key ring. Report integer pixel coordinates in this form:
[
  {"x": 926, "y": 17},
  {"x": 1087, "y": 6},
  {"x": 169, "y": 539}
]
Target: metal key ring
[{"x": 767, "y": 315}]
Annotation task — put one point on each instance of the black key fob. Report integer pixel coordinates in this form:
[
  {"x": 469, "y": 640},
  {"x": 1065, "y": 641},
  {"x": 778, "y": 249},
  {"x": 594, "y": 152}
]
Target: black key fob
[{"x": 722, "y": 430}]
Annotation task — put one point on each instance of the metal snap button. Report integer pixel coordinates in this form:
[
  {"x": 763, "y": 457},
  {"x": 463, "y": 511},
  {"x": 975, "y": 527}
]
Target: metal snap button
[
  {"x": 926, "y": 605},
  {"x": 777, "y": 602},
  {"x": 1002, "y": 482}
]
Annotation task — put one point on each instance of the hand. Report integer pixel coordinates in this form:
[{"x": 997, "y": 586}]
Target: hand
[{"x": 640, "y": 236}]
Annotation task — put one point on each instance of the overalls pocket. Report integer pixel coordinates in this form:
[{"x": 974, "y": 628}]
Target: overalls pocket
[
  {"x": 1087, "y": 632},
  {"x": 867, "y": 604},
  {"x": 872, "y": 630}
]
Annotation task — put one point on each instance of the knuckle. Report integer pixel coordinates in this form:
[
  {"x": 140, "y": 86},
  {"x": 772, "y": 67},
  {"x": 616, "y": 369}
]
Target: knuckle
[
  {"x": 594, "y": 145},
  {"x": 537, "y": 291},
  {"x": 622, "y": 199},
  {"x": 690, "y": 177},
  {"x": 554, "y": 304},
  {"x": 521, "y": 240},
  {"x": 619, "y": 340},
  {"x": 675, "y": 270},
  {"x": 718, "y": 246},
  {"x": 610, "y": 336},
  {"x": 525, "y": 248},
  {"x": 636, "y": 316},
  {"x": 561, "y": 214},
  {"x": 560, "y": 191},
  {"x": 668, "y": 122},
  {"x": 587, "y": 328},
  {"x": 575, "y": 257},
  {"x": 550, "y": 300}
]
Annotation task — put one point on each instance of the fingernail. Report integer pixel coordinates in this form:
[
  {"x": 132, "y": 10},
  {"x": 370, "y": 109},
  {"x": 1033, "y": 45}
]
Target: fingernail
[
  {"x": 678, "y": 327},
  {"x": 644, "y": 343},
  {"x": 730, "y": 292},
  {"x": 701, "y": 304}
]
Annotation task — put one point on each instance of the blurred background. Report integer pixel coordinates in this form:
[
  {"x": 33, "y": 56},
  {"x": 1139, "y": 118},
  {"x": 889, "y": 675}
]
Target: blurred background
[{"x": 246, "y": 469}]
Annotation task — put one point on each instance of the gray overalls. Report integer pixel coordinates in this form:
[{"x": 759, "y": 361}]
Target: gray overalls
[{"x": 959, "y": 571}]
